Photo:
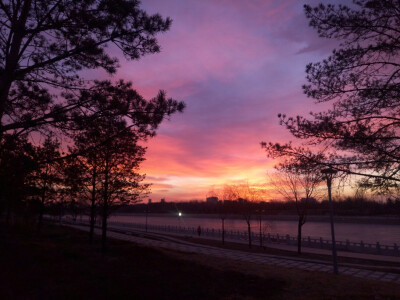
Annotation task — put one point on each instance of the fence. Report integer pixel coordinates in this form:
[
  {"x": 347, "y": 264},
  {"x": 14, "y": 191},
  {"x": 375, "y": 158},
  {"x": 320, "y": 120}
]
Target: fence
[{"x": 242, "y": 236}]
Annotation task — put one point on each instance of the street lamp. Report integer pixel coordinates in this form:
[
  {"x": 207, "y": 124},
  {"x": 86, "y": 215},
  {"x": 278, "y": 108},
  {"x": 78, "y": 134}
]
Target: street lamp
[
  {"x": 329, "y": 172},
  {"x": 179, "y": 218}
]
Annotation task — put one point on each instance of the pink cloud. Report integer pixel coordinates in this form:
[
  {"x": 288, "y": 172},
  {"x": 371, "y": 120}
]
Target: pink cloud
[{"x": 236, "y": 64}]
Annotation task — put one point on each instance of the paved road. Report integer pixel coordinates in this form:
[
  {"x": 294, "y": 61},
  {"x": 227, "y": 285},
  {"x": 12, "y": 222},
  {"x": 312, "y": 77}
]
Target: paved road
[
  {"x": 160, "y": 241},
  {"x": 282, "y": 246}
]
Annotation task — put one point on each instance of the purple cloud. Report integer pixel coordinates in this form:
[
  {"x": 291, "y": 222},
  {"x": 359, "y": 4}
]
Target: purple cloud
[{"x": 236, "y": 64}]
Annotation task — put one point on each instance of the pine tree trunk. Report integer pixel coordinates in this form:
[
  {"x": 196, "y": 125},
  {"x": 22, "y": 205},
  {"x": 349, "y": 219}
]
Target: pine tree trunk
[
  {"x": 299, "y": 225},
  {"x": 41, "y": 209},
  {"x": 92, "y": 220},
  {"x": 104, "y": 231},
  {"x": 11, "y": 64}
]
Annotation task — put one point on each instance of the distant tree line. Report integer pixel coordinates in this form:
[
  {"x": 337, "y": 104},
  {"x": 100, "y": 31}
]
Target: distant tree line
[{"x": 349, "y": 206}]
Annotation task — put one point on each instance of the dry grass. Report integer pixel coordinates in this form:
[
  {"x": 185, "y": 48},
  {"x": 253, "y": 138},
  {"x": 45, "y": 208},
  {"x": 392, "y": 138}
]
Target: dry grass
[{"x": 303, "y": 284}]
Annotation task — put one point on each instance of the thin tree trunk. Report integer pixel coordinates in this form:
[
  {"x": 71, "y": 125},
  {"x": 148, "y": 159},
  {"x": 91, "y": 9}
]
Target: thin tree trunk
[
  {"x": 104, "y": 230},
  {"x": 261, "y": 241},
  {"x": 249, "y": 231},
  {"x": 105, "y": 211},
  {"x": 92, "y": 207},
  {"x": 223, "y": 231},
  {"x": 299, "y": 226},
  {"x": 41, "y": 209}
]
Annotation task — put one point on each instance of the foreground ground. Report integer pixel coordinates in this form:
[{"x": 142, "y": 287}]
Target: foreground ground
[{"x": 60, "y": 263}]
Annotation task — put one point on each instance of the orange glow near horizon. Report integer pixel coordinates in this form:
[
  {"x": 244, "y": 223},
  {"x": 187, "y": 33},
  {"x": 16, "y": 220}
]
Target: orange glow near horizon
[{"x": 181, "y": 176}]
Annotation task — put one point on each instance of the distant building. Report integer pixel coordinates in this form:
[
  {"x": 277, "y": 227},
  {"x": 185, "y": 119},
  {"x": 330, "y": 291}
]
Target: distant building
[
  {"x": 212, "y": 200},
  {"x": 242, "y": 200},
  {"x": 229, "y": 201},
  {"x": 310, "y": 200},
  {"x": 162, "y": 200},
  {"x": 149, "y": 201}
]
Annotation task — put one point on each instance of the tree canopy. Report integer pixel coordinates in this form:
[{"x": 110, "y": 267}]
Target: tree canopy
[
  {"x": 44, "y": 48},
  {"x": 360, "y": 132},
  {"x": 45, "y": 44}
]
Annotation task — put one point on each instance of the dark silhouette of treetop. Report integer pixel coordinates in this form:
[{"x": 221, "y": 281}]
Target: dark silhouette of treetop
[
  {"x": 98, "y": 127},
  {"x": 362, "y": 81},
  {"x": 105, "y": 99},
  {"x": 47, "y": 43}
]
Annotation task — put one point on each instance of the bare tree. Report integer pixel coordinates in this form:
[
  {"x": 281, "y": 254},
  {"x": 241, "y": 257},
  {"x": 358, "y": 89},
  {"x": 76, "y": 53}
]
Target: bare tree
[
  {"x": 298, "y": 185},
  {"x": 221, "y": 196},
  {"x": 260, "y": 228},
  {"x": 246, "y": 195},
  {"x": 253, "y": 195}
]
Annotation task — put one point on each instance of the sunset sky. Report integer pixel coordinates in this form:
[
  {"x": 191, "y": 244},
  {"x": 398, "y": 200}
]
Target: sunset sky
[{"x": 236, "y": 64}]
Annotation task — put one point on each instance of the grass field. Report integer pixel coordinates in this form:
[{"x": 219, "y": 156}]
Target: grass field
[{"x": 59, "y": 263}]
